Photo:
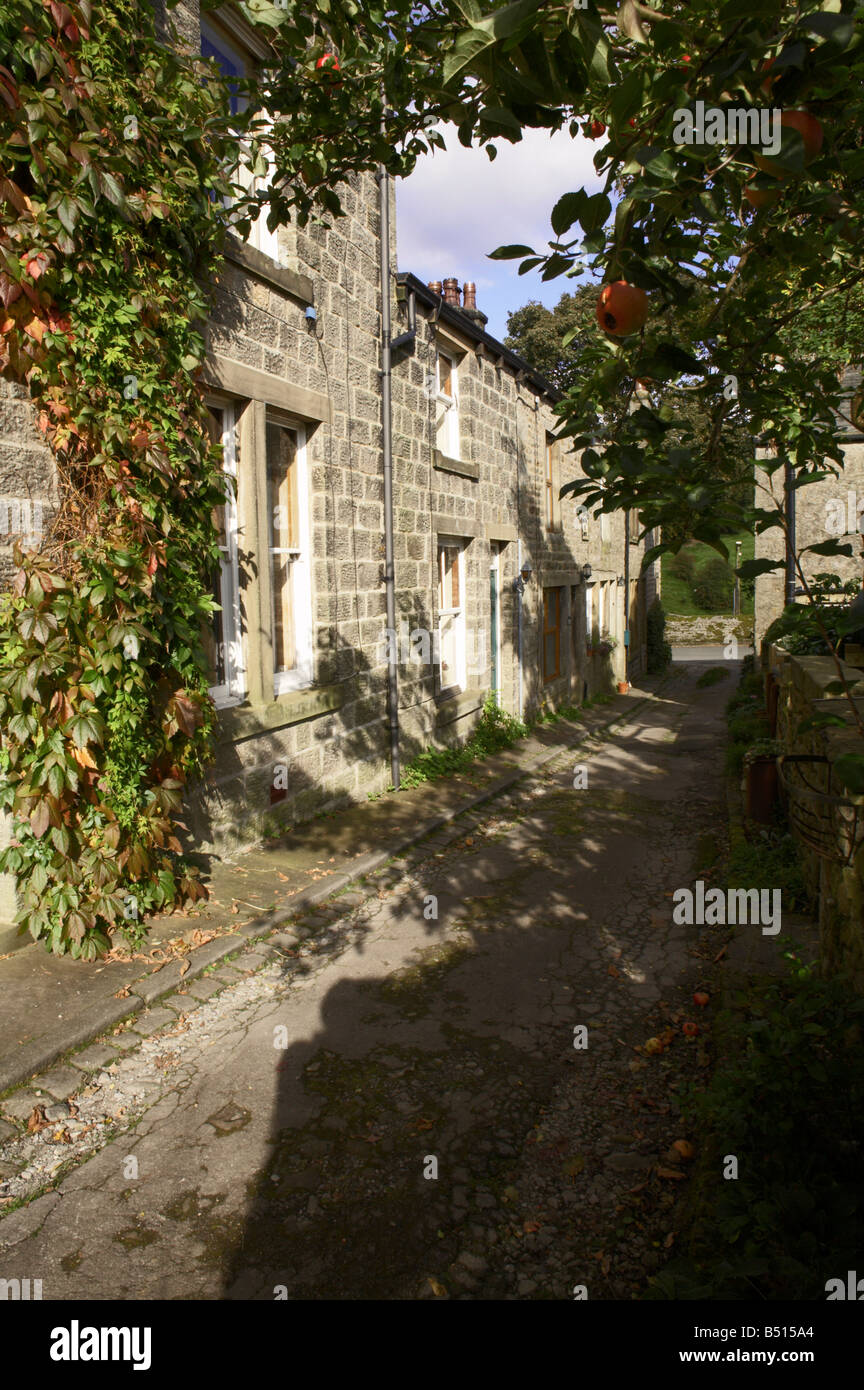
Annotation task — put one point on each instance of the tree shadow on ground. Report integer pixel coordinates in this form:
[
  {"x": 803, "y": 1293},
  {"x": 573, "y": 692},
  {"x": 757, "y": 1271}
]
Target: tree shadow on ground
[{"x": 453, "y": 1055}]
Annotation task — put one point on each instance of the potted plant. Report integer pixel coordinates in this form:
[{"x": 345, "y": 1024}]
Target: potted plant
[
  {"x": 762, "y": 780},
  {"x": 606, "y": 645}
]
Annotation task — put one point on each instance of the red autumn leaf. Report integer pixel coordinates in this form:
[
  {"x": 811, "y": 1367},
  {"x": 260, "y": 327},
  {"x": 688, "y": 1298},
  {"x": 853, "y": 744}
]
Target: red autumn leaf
[
  {"x": 35, "y": 329},
  {"x": 10, "y": 290},
  {"x": 12, "y": 193},
  {"x": 61, "y": 13},
  {"x": 8, "y": 89},
  {"x": 40, "y": 819},
  {"x": 37, "y": 265},
  {"x": 188, "y": 714}
]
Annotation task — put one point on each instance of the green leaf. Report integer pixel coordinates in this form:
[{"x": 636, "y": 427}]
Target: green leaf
[
  {"x": 595, "y": 212},
  {"x": 505, "y": 23},
  {"x": 497, "y": 115},
  {"x": 567, "y": 211},
  {"x": 263, "y": 12},
  {"x": 111, "y": 188},
  {"x": 67, "y": 211},
  {"x": 509, "y": 253},
  {"x": 850, "y": 769}
]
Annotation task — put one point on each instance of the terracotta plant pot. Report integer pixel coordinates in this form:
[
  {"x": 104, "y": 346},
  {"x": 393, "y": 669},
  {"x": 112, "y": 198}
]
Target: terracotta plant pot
[
  {"x": 623, "y": 687},
  {"x": 762, "y": 789}
]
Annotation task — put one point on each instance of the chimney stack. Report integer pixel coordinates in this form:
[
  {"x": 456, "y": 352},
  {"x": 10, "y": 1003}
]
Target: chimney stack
[
  {"x": 469, "y": 305},
  {"x": 451, "y": 292},
  {"x": 435, "y": 286}
]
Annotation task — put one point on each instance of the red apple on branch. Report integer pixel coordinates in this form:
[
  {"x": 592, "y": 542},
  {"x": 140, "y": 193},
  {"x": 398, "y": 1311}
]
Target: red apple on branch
[{"x": 622, "y": 308}]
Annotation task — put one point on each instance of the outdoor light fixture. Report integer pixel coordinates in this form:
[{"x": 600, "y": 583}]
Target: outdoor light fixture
[
  {"x": 586, "y": 572},
  {"x": 620, "y": 581},
  {"x": 522, "y": 578},
  {"x": 310, "y": 316}
]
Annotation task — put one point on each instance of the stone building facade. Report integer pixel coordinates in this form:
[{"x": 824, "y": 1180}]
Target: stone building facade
[
  {"x": 830, "y": 509},
  {"x": 299, "y": 651}
]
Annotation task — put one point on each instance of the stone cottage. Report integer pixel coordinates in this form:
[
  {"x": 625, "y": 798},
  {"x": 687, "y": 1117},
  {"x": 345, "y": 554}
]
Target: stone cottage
[{"x": 500, "y": 585}]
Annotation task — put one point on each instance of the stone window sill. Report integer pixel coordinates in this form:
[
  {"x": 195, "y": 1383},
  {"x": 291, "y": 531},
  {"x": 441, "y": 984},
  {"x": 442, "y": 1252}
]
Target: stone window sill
[
  {"x": 455, "y": 704},
  {"x": 293, "y": 707},
  {"x": 448, "y": 465},
  {"x": 265, "y": 268}
]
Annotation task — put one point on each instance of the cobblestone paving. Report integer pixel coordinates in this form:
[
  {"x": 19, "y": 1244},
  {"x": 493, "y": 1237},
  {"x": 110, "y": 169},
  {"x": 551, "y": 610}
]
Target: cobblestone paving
[{"x": 392, "y": 1099}]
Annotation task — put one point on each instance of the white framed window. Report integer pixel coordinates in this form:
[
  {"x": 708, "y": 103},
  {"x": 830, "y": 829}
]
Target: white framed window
[
  {"x": 290, "y": 558},
  {"x": 223, "y": 638},
  {"x": 235, "y": 62},
  {"x": 551, "y": 483},
  {"x": 451, "y": 615},
  {"x": 447, "y": 404}
]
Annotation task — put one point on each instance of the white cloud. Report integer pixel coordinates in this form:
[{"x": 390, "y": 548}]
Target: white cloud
[{"x": 458, "y": 205}]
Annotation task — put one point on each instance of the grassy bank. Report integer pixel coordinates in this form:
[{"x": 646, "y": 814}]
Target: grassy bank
[{"x": 678, "y": 597}]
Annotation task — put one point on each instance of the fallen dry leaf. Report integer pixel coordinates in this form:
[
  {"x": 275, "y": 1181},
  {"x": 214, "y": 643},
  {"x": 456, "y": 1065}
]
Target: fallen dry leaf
[{"x": 669, "y": 1173}]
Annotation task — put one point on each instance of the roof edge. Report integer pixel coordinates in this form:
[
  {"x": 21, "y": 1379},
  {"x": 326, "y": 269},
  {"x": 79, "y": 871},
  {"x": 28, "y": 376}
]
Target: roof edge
[{"x": 456, "y": 319}]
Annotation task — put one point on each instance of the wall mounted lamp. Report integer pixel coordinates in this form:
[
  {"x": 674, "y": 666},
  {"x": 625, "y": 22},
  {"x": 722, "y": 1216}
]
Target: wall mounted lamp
[
  {"x": 586, "y": 572},
  {"x": 522, "y": 578}
]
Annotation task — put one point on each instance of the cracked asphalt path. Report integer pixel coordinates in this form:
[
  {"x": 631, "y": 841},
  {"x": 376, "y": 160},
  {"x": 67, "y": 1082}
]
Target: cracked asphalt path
[{"x": 403, "y": 1109}]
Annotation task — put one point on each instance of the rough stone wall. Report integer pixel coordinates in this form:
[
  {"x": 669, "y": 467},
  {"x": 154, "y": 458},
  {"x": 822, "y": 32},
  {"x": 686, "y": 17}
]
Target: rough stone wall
[
  {"x": 835, "y": 876},
  {"x": 338, "y": 751},
  {"x": 833, "y": 508},
  {"x": 28, "y": 484}
]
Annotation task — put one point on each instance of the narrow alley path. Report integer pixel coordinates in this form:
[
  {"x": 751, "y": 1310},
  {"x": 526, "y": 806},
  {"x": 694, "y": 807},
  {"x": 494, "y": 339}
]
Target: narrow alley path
[{"x": 423, "y": 1126}]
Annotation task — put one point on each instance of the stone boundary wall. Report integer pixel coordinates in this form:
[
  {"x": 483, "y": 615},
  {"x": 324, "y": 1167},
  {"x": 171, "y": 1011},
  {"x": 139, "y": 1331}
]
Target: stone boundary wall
[
  {"x": 719, "y": 628},
  {"x": 802, "y": 682}
]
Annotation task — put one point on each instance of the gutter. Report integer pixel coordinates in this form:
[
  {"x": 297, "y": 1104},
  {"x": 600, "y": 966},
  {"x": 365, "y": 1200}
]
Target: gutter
[{"x": 445, "y": 313}]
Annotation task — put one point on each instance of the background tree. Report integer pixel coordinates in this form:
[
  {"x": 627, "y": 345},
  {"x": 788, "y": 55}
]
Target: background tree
[{"x": 538, "y": 334}]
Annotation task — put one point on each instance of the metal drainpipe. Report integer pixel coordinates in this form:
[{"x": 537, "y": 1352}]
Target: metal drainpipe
[
  {"x": 519, "y": 620},
  {"x": 387, "y": 444},
  {"x": 627, "y": 596},
  {"x": 791, "y": 584}
]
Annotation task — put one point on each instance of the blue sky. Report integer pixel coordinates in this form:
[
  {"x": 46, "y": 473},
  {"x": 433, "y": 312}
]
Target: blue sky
[{"x": 458, "y": 206}]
